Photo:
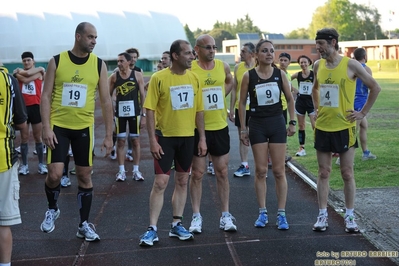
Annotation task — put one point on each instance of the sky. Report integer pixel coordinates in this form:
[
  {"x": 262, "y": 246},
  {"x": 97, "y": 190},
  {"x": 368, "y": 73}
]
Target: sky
[{"x": 274, "y": 17}]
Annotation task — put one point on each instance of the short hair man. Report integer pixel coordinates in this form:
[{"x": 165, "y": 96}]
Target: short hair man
[
  {"x": 31, "y": 80},
  {"x": 73, "y": 79},
  {"x": 333, "y": 97}
]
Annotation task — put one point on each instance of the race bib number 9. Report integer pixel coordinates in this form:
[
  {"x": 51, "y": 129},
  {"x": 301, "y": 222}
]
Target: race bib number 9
[
  {"x": 74, "y": 95},
  {"x": 267, "y": 93},
  {"x": 126, "y": 109},
  {"x": 213, "y": 98},
  {"x": 305, "y": 88},
  {"x": 329, "y": 95},
  {"x": 182, "y": 97}
]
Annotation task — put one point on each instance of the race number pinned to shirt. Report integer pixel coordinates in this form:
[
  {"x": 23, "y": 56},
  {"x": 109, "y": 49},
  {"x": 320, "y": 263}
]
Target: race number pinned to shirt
[
  {"x": 305, "y": 87},
  {"x": 213, "y": 98},
  {"x": 267, "y": 93},
  {"x": 329, "y": 95},
  {"x": 126, "y": 109},
  {"x": 74, "y": 95},
  {"x": 182, "y": 97},
  {"x": 29, "y": 88}
]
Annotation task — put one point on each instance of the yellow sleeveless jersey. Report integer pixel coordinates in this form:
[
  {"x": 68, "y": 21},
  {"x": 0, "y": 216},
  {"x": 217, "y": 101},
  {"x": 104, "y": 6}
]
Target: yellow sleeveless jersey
[
  {"x": 176, "y": 99},
  {"x": 336, "y": 96},
  {"x": 213, "y": 94},
  {"x": 74, "y": 93},
  {"x": 241, "y": 69},
  {"x": 283, "y": 100}
]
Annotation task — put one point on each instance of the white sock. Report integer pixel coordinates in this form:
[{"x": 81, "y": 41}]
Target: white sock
[
  {"x": 135, "y": 168},
  {"x": 244, "y": 163},
  {"x": 323, "y": 212},
  {"x": 121, "y": 168},
  {"x": 349, "y": 212}
]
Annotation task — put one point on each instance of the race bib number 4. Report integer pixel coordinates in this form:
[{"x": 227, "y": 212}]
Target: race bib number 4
[
  {"x": 267, "y": 93},
  {"x": 213, "y": 98},
  {"x": 182, "y": 97},
  {"x": 329, "y": 95},
  {"x": 126, "y": 109},
  {"x": 74, "y": 95}
]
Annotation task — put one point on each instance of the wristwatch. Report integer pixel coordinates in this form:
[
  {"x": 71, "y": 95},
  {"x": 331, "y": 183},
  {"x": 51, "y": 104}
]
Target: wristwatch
[
  {"x": 143, "y": 115},
  {"x": 292, "y": 122}
]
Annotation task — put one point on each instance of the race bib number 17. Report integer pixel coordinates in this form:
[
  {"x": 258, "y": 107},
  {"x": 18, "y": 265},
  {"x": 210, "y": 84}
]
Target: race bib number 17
[{"x": 182, "y": 97}]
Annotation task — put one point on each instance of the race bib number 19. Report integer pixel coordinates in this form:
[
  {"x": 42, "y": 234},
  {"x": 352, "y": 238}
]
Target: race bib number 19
[
  {"x": 74, "y": 95},
  {"x": 182, "y": 97}
]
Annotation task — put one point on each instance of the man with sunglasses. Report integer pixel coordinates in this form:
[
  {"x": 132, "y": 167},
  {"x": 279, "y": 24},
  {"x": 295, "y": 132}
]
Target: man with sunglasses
[{"x": 216, "y": 82}]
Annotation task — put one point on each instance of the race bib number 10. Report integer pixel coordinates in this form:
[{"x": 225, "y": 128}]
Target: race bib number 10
[
  {"x": 74, "y": 95},
  {"x": 213, "y": 98},
  {"x": 182, "y": 97}
]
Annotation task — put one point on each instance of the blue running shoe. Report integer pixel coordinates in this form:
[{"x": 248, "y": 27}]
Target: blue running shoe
[
  {"x": 149, "y": 237},
  {"x": 242, "y": 171},
  {"x": 180, "y": 232},
  {"x": 282, "y": 222},
  {"x": 262, "y": 220}
]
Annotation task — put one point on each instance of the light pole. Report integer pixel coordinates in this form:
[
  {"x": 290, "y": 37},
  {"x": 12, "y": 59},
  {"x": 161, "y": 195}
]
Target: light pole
[{"x": 365, "y": 36}]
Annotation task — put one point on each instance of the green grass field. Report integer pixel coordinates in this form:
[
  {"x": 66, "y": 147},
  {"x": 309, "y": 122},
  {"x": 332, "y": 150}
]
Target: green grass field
[{"x": 383, "y": 139}]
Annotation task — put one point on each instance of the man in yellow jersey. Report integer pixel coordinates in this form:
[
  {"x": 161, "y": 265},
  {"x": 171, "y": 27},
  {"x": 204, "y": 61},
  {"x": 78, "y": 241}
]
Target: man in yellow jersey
[
  {"x": 13, "y": 115},
  {"x": 216, "y": 82},
  {"x": 335, "y": 130},
  {"x": 173, "y": 95},
  {"x": 247, "y": 55},
  {"x": 67, "y": 108}
]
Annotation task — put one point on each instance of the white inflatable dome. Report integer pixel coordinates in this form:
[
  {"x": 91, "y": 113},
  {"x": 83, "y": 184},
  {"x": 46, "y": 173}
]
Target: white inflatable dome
[{"x": 48, "y": 32}]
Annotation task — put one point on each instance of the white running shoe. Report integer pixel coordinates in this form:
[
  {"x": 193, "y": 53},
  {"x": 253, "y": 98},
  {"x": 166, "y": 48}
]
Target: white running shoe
[
  {"x": 65, "y": 181},
  {"x": 48, "y": 224},
  {"x": 88, "y": 232},
  {"x": 42, "y": 169},
  {"x": 138, "y": 176},
  {"x": 301, "y": 152},
  {"x": 321, "y": 223},
  {"x": 121, "y": 176},
  {"x": 196, "y": 225},
  {"x": 23, "y": 169},
  {"x": 226, "y": 223}
]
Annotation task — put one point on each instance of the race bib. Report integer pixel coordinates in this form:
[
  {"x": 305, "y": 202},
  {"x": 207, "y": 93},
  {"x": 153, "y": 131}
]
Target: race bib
[
  {"x": 126, "y": 109},
  {"x": 74, "y": 95},
  {"x": 182, "y": 97},
  {"x": 329, "y": 95},
  {"x": 267, "y": 93},
  {"x": 29, "y": 88},
  {"x": 305, "y": 87},
  {"x": 213, "y": 98}
]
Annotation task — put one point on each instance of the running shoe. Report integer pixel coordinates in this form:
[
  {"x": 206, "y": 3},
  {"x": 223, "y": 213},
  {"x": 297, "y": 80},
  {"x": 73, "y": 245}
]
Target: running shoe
[
  {"x": 196, "y": 225},
  {"x": 42, "y": 169},
  {"x": 210, "y": 169},
  {"x": 367, "y": 155},
  {"x": 88, "y": 232},
  {"x": 138, "y": 176},
  {"x": 73, "y": 171},
  {"x": 350, "y": 224},
  {"x": 23, "y": 169},
  {"x": 129, "y": 157},
  {"x": 180, "y": 232},
  {"x": 149, "y": 237},
  {"x": 338, "y": 161},
  {"x": 242, "y": 171},
  {"x": 262, "y": 220},
  {"x": 18, "y": 149},
  {"x": 226, "y": 223},
  {"x": 282, "y": 223},
  {"x": 301, "y": 152},
  {"x": 321, "y": 224},
  {"x": 65, "y": 181},
  {"x": 120, "y": 176},
  {"x": 48, "y": 223},
  {"x": 113, "y": 154}
]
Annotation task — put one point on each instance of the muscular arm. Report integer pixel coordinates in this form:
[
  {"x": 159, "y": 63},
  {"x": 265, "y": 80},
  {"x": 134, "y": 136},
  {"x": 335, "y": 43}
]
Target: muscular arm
[
  {"x": 27, "y": 79},
  {"x": 199, "y": 122},
  {"x": 45, "y": 105},
  {"x": 315, "y": 89},
  {"x": 241, "y": 108},
  {"x": 106, "y": 106},
  {"x": 228, "y": 80},
  {"x": 233, "y": 95}
]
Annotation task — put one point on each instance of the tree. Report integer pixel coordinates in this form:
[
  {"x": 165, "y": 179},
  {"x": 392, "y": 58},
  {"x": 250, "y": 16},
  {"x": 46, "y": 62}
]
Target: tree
[
  {"x": 219, "y": 35},
  {"x": 300, "y": 33},
  {"x": 189, "y": 35},
  {"x": 352, "y": 21}
]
